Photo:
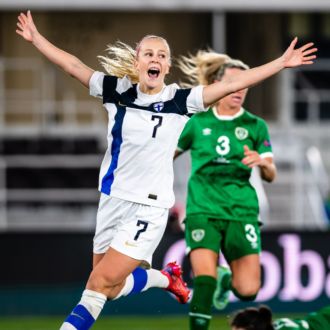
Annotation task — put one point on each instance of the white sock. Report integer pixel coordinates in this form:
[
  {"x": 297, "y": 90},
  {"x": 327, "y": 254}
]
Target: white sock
[
  {"x": 86, "y": 312},
  {"x": 141, "y": 280}
]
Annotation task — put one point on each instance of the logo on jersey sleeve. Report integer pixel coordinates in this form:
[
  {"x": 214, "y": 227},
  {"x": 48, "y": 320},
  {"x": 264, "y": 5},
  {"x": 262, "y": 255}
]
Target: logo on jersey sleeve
[
  {"x": 206, "y": 131},
  {"x": 267, "y": 143},
  {"x": 198, "y": 234},
  {"x": 159, "y": 106},
  {"x": 241, "y": 133}
]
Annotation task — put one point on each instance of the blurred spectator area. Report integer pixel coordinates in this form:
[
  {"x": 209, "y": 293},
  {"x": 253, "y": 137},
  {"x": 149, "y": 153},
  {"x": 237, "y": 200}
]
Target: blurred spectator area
[{"x": 53, "y": 134}]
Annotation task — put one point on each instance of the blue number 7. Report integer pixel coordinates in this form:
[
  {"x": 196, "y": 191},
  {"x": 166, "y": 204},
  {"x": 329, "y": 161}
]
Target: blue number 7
[{"x": 140, "y": 223}]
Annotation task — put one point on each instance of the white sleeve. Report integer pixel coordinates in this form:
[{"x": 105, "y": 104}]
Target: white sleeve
[
  {"x": 195, "y": 100},
  {"x": 96, "y": 84}
]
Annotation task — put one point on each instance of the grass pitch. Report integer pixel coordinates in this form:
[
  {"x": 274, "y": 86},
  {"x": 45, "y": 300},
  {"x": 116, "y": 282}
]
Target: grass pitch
[{"x": 110, "y": 323}]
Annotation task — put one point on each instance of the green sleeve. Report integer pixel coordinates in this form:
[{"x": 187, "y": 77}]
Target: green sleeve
[
  {"x": 263, "y": 144},
  {"x": 319, "y": 320},
  {"x": 290, "y": 324},
  {"x": 186, "y": 137},
  {"x": 315, "y": 321}
]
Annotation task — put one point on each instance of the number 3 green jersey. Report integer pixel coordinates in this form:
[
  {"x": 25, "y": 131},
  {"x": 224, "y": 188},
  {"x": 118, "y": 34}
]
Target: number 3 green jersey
[
  {"x": 219, "y": 184},
  {"x": 315, "y": 321}
]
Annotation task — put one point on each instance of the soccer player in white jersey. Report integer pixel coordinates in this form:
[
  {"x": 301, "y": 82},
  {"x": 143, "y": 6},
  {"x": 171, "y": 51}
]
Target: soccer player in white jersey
[{"x": 146, "y": 118}]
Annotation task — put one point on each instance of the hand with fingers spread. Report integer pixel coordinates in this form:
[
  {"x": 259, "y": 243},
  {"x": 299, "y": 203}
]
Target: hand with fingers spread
[
  {"x": 26, "y": 26},
  {"x": 290, "y": 59},
  {"x": 67, "y": 62},
  {"x": 300, "y": 56}
]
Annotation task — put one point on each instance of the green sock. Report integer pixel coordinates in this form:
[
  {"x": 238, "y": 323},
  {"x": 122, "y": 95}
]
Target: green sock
[
  {"x": 201, "y": 303},
  {"x": 243, "y": 298},
  {"x": 226, "y": 285},
  {"x": 226, "y": 282}
]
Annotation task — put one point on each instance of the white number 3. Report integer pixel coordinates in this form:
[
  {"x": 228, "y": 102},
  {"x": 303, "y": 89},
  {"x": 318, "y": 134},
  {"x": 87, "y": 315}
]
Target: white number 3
[
  {"x": 223, "y": 146},
  {"x": 251, "y": 234}
]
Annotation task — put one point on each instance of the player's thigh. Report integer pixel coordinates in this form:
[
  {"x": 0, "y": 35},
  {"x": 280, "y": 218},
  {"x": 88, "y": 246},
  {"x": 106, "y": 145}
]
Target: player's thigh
[
  {"x": 246, "y": 272},
  {"x": 97, "y": 258},
  {"x": 114, "y": 267},
  {"x": 241, "y": 239},
  {"x": 204, "y": 262},
  {"x": 201, "y": 233}
]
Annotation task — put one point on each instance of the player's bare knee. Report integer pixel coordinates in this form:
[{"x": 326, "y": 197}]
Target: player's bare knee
[
  {"x": 247, "y": 288},
  {"x": 100, "y": 282}
]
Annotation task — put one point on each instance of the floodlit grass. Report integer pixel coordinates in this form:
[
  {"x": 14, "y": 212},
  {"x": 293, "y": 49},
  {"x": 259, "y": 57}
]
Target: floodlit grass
[{"x": 110, "y": 323}]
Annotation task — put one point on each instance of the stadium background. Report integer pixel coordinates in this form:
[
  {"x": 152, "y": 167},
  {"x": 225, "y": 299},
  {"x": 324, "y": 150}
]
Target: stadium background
[{"x": 52, "y": 139}]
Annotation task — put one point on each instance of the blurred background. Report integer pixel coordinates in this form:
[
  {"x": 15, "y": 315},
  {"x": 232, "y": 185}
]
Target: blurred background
[{"x": 53, "y": 137}]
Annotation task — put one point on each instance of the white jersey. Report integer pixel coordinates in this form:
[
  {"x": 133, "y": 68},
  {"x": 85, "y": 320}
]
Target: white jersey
[{"x": 143, "y": 131}]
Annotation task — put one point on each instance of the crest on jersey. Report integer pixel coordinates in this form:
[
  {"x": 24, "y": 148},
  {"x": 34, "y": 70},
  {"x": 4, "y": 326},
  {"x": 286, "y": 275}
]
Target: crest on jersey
[
  {"x": 241, "y": 133},
  {"x": 198, "y": 234},
  {"x": 207, "y": 131},
  {"x": 159, "y": 106}
]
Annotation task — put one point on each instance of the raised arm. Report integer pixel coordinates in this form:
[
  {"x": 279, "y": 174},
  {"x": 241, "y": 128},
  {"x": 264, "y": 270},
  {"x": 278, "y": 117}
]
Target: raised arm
[
  {"x": 69, "y": 63},
  {"x": 247, "y": 78}
]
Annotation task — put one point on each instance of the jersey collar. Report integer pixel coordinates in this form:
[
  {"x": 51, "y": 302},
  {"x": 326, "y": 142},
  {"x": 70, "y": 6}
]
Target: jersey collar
[
  {"x": 144, "y": 96},
  {"x": 225, "y": 117}
]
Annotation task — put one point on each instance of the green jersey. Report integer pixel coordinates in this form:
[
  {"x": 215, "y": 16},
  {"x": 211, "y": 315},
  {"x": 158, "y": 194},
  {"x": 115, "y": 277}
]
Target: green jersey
[
  {"x": 219, "y": 184},
  {"x": 314, "y": 321}
]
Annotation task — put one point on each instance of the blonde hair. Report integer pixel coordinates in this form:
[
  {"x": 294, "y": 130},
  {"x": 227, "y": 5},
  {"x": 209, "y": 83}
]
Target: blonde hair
[
  {"x": 230, "y": 64},
  {"x": 202, "y": 68},
  {"x": 206, "y": 66},
  {"x": 120, "y": 60},
  {"x": 152, "y": 36}
]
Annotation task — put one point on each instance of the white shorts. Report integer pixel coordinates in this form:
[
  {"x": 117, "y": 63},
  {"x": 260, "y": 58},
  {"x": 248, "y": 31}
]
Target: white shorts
[{"x": 130, "y": 228}]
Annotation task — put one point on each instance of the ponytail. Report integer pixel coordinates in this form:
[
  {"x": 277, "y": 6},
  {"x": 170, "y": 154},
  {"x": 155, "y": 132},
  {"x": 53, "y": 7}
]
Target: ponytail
[
  {"x": 120, "y": 61},
  {"x": 201, "y": 69}
]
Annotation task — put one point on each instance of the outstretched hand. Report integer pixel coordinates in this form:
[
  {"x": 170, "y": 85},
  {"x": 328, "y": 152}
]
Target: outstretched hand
[
  {"x": 300, "y": 56},
  {"x": 26, "y": 26}
]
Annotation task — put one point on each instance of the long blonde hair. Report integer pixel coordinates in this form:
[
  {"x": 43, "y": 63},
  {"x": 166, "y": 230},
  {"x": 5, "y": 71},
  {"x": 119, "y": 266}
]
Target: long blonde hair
[
  {"x": 202, "y": 68},
  {"x": 120, "y": 59},
  {"x": 206, "y": 66}
]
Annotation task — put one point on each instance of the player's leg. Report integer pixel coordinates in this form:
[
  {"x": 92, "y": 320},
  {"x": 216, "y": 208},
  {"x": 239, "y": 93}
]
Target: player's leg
[
  {"x": 106, "y": 281},
  {"x": 169, "y": 278},
  {"x": 203, "y": 262},
  {"x": 141, "y": 279},
  {"x": 145, "y": 226},
  {"x": 119, "y": 226},
  {"x": 241, "y": 249},
  {"x": 203, "y": 241},
  {"x": 246, "y": 277},
  {"x": 116, "y": 273}
]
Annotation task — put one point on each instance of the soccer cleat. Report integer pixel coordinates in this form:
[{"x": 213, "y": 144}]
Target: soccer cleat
[
  {"x": 221, "y": 296},
  {"x": 177, "y": 286}
]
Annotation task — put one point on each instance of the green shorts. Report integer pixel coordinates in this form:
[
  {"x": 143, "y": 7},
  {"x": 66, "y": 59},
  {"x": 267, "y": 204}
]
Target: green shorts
[{"x": 235, "y": 239}]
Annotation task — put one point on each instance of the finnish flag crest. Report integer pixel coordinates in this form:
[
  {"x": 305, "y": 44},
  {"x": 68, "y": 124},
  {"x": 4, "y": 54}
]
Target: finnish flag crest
[{"x": 158, "y": 106}]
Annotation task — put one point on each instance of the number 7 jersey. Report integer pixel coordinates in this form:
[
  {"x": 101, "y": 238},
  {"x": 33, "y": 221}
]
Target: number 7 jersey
[{"x": 143, "y": 132}]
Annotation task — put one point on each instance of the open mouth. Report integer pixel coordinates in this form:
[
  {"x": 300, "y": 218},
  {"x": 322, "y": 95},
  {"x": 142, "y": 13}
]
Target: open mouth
[{"x": 153, "y": 73}]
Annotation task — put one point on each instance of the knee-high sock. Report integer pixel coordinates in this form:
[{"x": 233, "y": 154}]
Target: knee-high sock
[
  {"x": 86, "y": 312},
  {"x": 201, "y": 303},
  {"x": 141, "y": 280},
  {"x": 242, "y": 297}
]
